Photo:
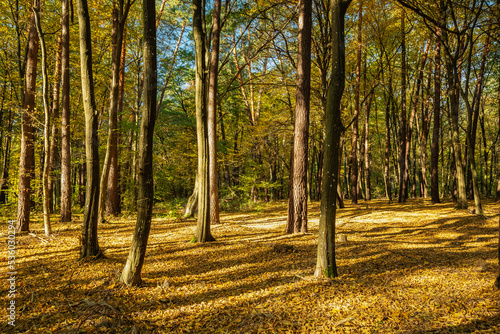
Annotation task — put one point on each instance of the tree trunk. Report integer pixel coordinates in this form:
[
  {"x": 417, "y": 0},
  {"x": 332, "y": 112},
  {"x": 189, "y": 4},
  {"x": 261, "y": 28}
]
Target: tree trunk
[
  {"x": 212, "y": 115},
  {"x": 120, "y": 13},
  {"x": 89, "y": 242},
  {"x": 326, "y": 264},
  {"x": 4, "y": 181},
  {"x": 437, "y": 122},
  {"x": 131, "y": 274},
  {"x": 301, "y": 128},
  {"x": 53, "y": 163},
  {"x": 403, "y": 161},
  {"x": 368, "y": 195},
  {"x": 202, "y": 233},
  {"x": 65, "y": 119},
  {"x": 354, "y": 152},
  {"x": 27, "y": 155},
  {"x": 47, "y": 127}
]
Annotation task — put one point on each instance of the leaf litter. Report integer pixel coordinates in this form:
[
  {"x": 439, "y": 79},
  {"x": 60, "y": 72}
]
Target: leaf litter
[{"x": 411, "y": 268}]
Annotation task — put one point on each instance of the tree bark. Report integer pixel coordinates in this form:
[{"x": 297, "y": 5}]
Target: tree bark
[
  {"x": 437, "y": 121},
  {"x": 326, "y": 263},
  {"x": 120, "y": 13},
  {"x": 47, "y": 121},
  {"x": 301, "y": 128},
  {"x": 403, "y": 162},
  {"x": 27, "y": 155},
  {"x": 212, "y": 115},
  {"x": 54, "y": 133},
  {"x": 202, "y": 233},
  {"x": 354, "y": 152},
  {"x": 65, "y": 118},
  {"x": 89, "y": 242},
  {"x": 131, "y": 274}
]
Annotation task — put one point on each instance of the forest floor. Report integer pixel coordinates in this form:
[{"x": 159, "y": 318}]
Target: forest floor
[{"x": 411, "y": 268}]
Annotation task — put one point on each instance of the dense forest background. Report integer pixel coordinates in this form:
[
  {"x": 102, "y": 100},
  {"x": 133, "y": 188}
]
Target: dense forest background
[{"x": 420, "y": 109}]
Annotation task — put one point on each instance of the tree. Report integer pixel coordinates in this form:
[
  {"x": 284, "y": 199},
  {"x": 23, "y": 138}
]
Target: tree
[
  {"x": 298, "y": 220},
  {"x": 131, "y": 274},
  {"x": 110, "y": 168},
  {"x": 47, "y": 127},
  {"x": 65, "y": 117},
  {"x": 437, "y": 119},
  {"x": 89, "y": 242},
  {"x": 325, "y": 263},
  {"x": 203, "y": 225},
  {"x": 357, "y": 107},
  {"x": 212, "y": 115},
  {"x": 403, "y": 162},
  {"x": 27, "y": 158}
]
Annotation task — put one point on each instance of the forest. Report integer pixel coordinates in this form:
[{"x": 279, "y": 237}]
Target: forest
[{"x": 235, "y": 166}]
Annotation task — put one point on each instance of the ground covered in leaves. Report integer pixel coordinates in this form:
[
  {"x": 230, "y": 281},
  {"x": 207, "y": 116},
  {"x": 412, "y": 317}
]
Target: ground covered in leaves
[{"x": 412, "y": 268}]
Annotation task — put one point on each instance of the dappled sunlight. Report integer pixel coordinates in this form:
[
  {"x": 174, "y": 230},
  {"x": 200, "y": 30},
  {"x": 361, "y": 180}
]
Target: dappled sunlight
[{"x": 425, "y": 268}]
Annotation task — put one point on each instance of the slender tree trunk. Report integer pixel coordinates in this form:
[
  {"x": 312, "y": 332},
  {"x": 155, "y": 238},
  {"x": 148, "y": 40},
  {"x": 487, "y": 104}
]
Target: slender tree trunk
[
  {"x": 212, "y": 115},
  {"x": 425, "y": 136},
  {"x": 120, "y": 13},
  {"x": 437, "y": 121},
  {"x": 53, "y": 162},
  {"x": 368, "y": 195},
  {"x": 27, "y": 155},
  {"x": 65, "y": 118},
  {"x": 301, "y": 128},
  {"x": 354, "y": 152},
  {"x": 47, "y": 127},
  {"x": 203, "y": 226},
  {"x": 4, "y": 181},
  {"x": 403, "y": 162},
  {"x": 89, "y": 242},
  {"x": 326, "y": 263},
  {"x": 131, "y": 274}
]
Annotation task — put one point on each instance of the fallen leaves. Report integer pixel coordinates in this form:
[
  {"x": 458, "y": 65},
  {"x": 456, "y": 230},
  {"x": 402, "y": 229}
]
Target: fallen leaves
[{"x": 400, "y": 272}]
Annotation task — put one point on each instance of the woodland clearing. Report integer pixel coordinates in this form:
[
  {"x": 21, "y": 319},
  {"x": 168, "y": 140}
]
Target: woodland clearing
[{"x": 404, "y": 268}]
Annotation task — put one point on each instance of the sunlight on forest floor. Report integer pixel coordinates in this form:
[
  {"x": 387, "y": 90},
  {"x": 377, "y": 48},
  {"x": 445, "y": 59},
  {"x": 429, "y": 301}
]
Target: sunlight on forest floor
[{"x": 411, "y": 268}]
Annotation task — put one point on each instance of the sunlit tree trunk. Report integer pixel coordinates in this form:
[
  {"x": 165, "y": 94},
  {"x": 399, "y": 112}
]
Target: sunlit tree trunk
[
  {"x": 27, "y": 154},
  {"x": 46, "y": 127},
  {"x": 131, "y": 274},
  {"x": 65, "y": 118},
  {"x": 89, "y": 242},
  {"x": 203, "y": 225},
  {"x": 325, "y": 263},
  {"x": 54, "y": 133},
  {"x": 212, "y": 115},
  {"x": 354, "y": 152},
  {"x": 120, "y": 13},
  {"x": 301, "y": 128}
]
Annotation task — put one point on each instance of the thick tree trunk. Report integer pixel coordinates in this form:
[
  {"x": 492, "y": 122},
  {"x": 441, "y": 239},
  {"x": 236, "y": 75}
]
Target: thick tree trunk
[
  {"x": 301, "y": 128},
  {"x": 326, "y": 264},
  {"x": 65, "y": 119},
  {"x": 131, "y": 274},
  {"x": 89, "y": 242},
  {"x": 212, "y": 115},
  {"x": 202, "y": 233},
  {"x": 27, "y": 155}
]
